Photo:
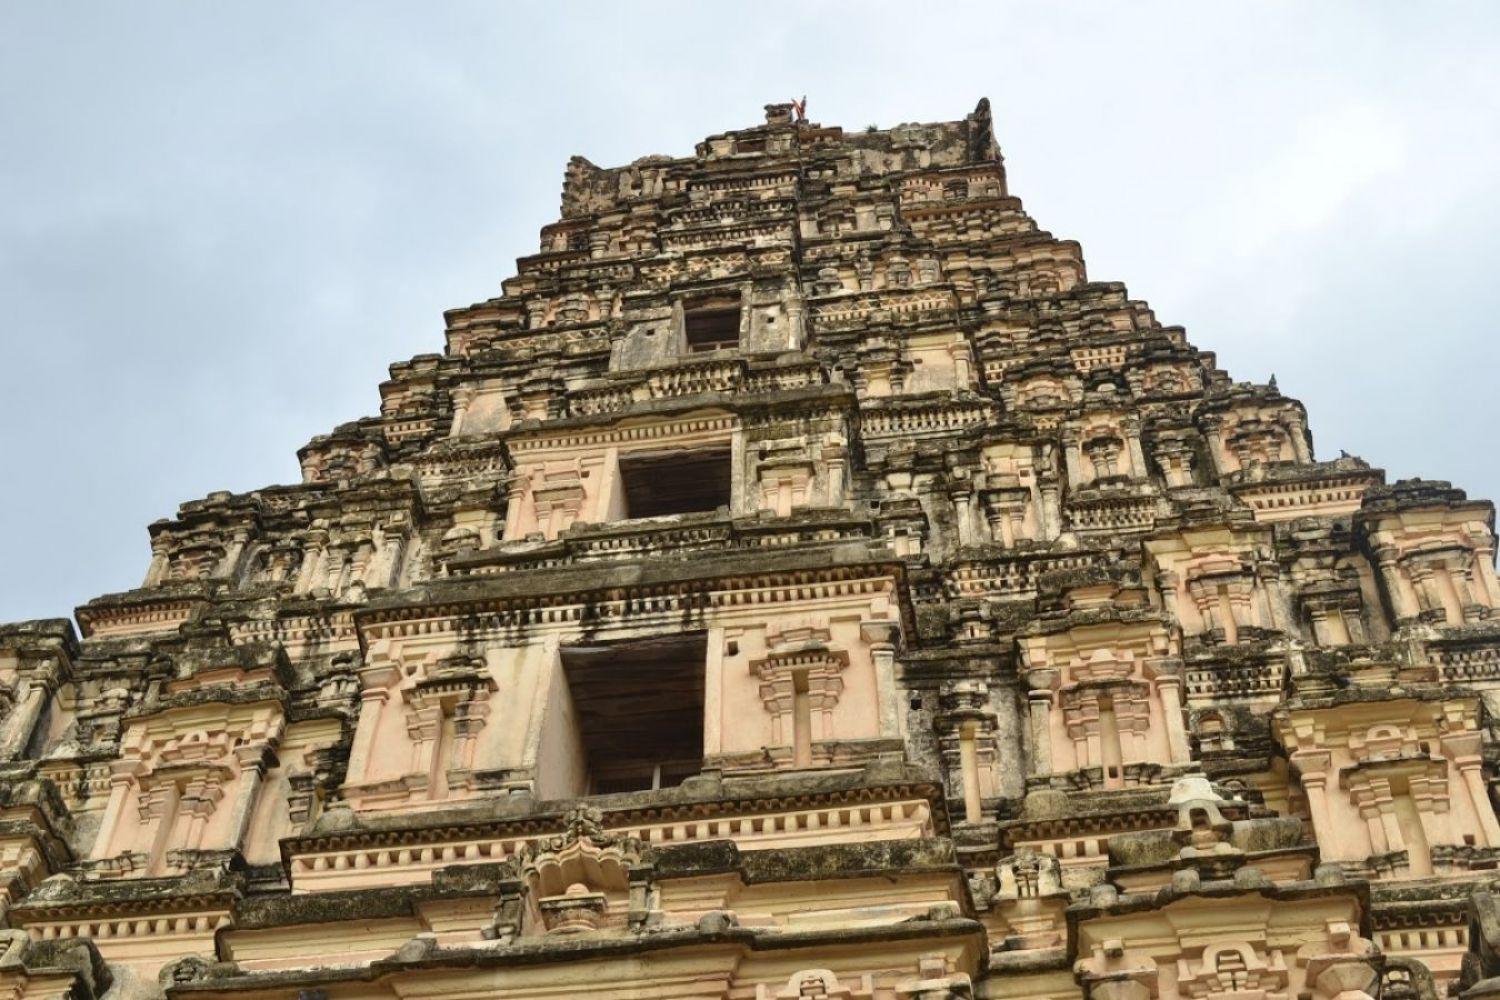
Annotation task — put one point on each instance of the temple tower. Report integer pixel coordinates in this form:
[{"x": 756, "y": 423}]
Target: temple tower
[{"x": 801, "y": 581}]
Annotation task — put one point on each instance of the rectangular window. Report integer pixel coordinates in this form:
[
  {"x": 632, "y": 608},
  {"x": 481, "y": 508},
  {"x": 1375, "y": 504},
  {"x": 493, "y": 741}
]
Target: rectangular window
[
  {"x": 675, "y": 482},
  {"x": 712, "y": 324},
  {"x": 639, "y": 710}
]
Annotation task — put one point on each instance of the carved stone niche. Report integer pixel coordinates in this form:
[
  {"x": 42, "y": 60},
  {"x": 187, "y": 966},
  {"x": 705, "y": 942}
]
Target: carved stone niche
[
  {"x": 1218, "y": 582},
  {"x": 939, "y": 362},
  {"x": 580, "y": 881},
  {"x": 903, "y": 524},
  {"x": 881, "y": 369},
  {"x": 1234, "y": 969},
  {"x": 1167, "y": 378},
  {"x": 1044, "y": 391},
  {"x": 818, "y": 984},
  {"x": 1102, "y": 449},
  {"x": 801, "y": 678},
  {"x": 480, "y": 408},
  {"x": 1395, "y": 787},
  {"x": 455, "y": 692},
  {"x": 1176, "y": 453},
  {"x": 36, "y": 663},
  {"x": 476, "y": 525},
  {"x": 1106, "y": 702},
  {"x": 419, "y": 727},
  {"x": 1223, "y": 592},
  {"x": 557, "y": 498},
  {"x": 1436, "y": 560},
  {"x": 786, "y": 474},
  {"x": 186, "y": 785},
  {"x": 189, "y": 556},
  {"x": 1250, "y": 436},
  {"x": 277, "y": 563},
  {"x": 328, "y": 458},
  {"x": 967, "y": 727},
  {"x": 1017, "y": 493},
  {"x": 1330, "y": 595},
  {"x": 349, "y": 560},
  {"x": 1228, "y": 949},
  {"x": 1026, "y": 892}
]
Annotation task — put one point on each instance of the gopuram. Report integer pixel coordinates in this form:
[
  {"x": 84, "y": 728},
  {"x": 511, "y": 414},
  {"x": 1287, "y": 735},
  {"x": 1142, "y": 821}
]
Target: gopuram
[{"x": 800, "y": 583}]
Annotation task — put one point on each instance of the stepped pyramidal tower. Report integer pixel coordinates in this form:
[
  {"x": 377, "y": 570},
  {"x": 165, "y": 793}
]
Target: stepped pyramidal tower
[{"x": 801, "y": 582}]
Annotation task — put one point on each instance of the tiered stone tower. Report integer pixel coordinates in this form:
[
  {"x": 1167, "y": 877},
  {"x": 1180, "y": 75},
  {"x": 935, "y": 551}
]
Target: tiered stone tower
[{"x": 801, "y": 582}]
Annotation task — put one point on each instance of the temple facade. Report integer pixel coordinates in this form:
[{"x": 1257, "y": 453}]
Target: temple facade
[{"x": 802, "y": 581}]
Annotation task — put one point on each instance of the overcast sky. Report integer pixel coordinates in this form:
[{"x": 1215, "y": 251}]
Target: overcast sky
[{"x": 220, "y": 222}]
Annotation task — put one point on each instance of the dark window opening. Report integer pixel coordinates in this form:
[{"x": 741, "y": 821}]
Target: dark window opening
[
  {"x": 639, "y": 708},
  {"x": 712, "y": 324},
  {"x": 680, "y": 482}
]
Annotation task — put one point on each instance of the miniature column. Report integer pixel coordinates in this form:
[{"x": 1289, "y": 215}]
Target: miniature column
[
  {"x": 231, "y": 558},
  {"x": 1039, "y": 705},
  {"x": 312, "y": 562},
  {"x": 1169, "y": 688},
  {"x": 968, "y": 762},
  {"x": 1073, "y": 459},
  {"x": 1213, "y": 431},
  {"x": 376, "y": 681},
  {"x": 962, "y": 496},
  {"x": 463, "y": 395},
  {"x": 1298, "y": 438},
  {"x": 881, "y": 638},
  {"x": 1313, "y": 766},
  {"x": 1166, "y": 586},
  {"x": 515, "y": 492},
  {"x": 158, "y": 567},
  {"x": 253, "y": 760},
  {"x": 1403, "y": 600},
  {"x": 1484, "y": 567},
  {"x": 23, "y": 718},
  {"x": 1132, "y": 430},
  {"x": 123, "y": 776},
  {"x": 834, "y": 457},
  {"x": 1463, "y": 750}
]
